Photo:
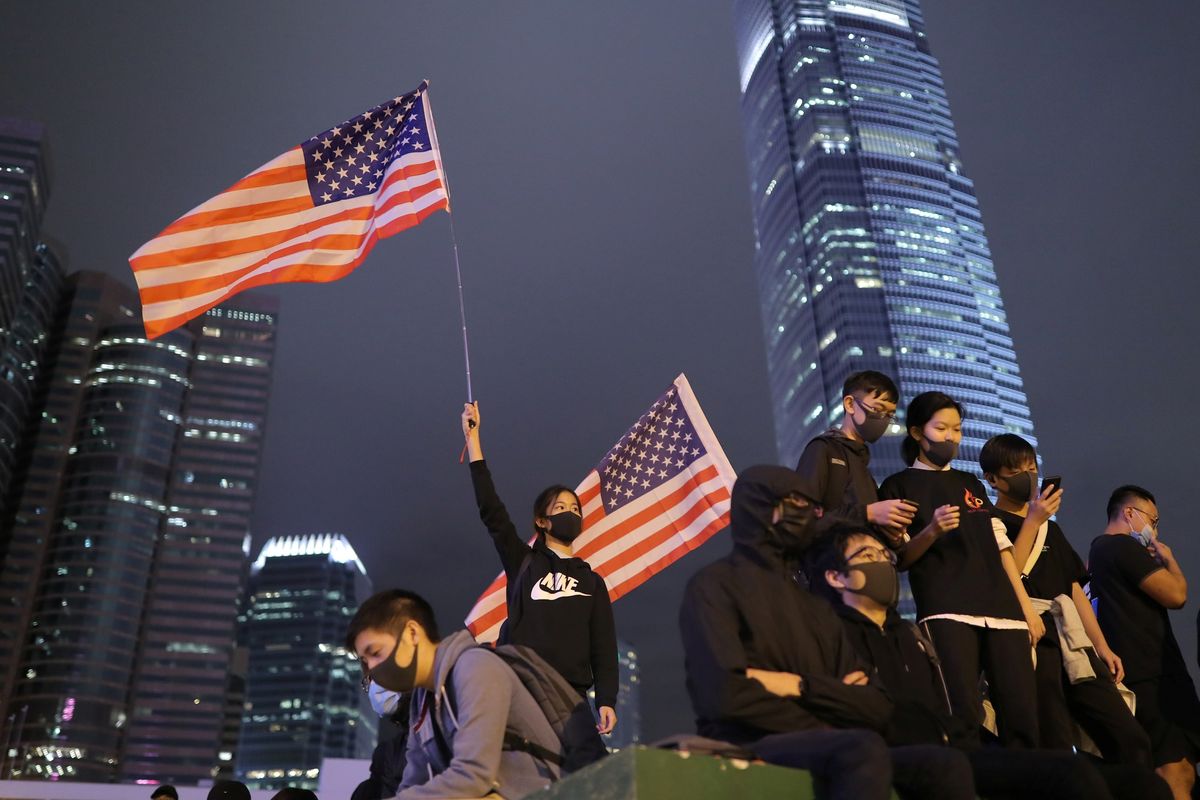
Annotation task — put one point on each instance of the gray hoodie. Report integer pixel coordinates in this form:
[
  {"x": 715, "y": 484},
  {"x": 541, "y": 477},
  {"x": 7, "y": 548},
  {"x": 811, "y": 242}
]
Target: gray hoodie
[{"x": 476, "y": 697}]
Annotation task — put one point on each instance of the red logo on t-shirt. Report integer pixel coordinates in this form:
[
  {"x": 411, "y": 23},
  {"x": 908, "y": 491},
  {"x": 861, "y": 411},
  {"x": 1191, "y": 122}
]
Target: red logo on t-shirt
[{"x": 973, "y": 503}]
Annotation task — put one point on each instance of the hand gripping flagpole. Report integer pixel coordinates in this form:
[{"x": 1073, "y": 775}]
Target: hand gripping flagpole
[{"x": 462, "y": 306}]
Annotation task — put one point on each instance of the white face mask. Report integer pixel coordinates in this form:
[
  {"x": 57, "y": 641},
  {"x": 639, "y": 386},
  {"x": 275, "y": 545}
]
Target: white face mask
[
  {"x": 384, "y": 701},
  {"x": 1146, "y": 534}
]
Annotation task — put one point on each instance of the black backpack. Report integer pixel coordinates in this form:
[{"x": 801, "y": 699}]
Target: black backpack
[{"x": 568, "y": 713}]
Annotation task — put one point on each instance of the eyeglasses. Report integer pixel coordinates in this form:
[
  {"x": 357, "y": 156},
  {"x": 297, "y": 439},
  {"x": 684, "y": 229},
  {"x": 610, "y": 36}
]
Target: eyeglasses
[
  {"x": 871, "y": 554},
  {"x": 1152, "y": 520},
  {"x": 874, "y": 413}
]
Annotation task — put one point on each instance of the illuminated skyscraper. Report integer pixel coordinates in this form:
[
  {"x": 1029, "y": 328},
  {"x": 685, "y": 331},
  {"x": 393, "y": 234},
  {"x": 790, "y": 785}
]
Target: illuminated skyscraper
[
  {"x": 629, "y": 706},
  {"x": 129, "y": 543},
  {"x": 303, "y": 699},
  {"x": 870, "y": 250}
]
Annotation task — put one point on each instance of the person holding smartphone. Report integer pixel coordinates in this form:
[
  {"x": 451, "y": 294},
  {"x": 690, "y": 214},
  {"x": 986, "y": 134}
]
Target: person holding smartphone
[
  {"x": 1135, "y": 580},
  {"x": 969, "y": 596},
  {"x": 1074, "y": 684},
  {"x": 835, "y": 464}
]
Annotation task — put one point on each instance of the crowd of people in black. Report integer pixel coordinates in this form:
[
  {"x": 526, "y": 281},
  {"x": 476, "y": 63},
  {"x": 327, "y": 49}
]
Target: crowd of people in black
[{"x": 1026, "y": 673}]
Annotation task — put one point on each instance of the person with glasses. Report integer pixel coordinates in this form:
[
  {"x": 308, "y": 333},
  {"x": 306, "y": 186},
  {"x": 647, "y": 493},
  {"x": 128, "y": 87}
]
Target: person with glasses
[
  {"x": 855, "y": 571},
  {"x": 1076, "y": 670},
  {"x": 770, "y": 669},
  {"x": 835, "y": 463},
  {"x": 1135, "y": 581}
]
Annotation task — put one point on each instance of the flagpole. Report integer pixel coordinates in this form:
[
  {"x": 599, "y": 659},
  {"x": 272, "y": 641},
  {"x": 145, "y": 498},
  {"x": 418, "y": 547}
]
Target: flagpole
[{"x": 462, "y": 306}]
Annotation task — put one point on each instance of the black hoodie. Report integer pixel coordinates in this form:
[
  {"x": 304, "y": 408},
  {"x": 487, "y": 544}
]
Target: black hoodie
[
  {"x": 558, "y": 606},
  {"x": 747, "y": 611},
  {"x": 835, "y": 467}
]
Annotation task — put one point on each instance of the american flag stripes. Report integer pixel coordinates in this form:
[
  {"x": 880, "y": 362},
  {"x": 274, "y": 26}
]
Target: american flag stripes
[
  {"x": 662, "y": 490},
  {"x": 312, "y": 214}
]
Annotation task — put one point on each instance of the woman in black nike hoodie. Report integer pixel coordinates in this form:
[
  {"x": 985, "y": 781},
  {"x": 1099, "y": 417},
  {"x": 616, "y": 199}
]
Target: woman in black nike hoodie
[{"x": 556, "y": 604}]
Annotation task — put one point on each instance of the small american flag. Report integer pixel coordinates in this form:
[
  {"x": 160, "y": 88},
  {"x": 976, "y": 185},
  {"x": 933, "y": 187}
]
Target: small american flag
[
  {"x": 312, "y": 214},
  {"x": 662, "y": 490}
]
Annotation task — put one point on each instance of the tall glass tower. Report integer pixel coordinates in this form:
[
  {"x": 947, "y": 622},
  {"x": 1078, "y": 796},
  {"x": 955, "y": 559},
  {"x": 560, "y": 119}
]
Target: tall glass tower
[
  {"x": 870, "y": 251},
  {"x": 303, "y": 699}
]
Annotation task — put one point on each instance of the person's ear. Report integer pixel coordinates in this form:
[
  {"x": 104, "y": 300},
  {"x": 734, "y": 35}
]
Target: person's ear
[
  {"x": 848, "y": 404},
  {"x": 916, "y": 433},
  {"x": 990, "y": 478},
  {"x": 832, "y": 577}
]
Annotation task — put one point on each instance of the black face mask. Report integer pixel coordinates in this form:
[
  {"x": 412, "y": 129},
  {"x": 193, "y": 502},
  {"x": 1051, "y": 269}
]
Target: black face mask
[
  {"x": 872, "y": 427},
  {"x": 565, "y": 526},
  {"x": 882, "y": 583},
  {"x": 1020, "y": 486},
  {"x": 940, "y": 453},
  {"x": 396, "y": 678},
  {"x": 794, "y": 530}
]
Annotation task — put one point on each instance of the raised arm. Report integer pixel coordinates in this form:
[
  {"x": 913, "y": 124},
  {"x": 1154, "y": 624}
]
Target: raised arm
[
  {"x": 1041, "y": 509},
  {"x": 509, "y": 546}
]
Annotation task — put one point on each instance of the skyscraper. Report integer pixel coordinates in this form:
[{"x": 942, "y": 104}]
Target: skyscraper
[
  {"x": 128, "y": 545},
  {"x": 870, "y": 250},
  {"x": 30, "y": 282},
  {"x": 303, "y": 698}
]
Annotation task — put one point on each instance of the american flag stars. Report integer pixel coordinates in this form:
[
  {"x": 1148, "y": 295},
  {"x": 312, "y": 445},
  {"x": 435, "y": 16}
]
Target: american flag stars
[
  {"x": 660, "y": 445},
  {"x": 351, "y": 159}
]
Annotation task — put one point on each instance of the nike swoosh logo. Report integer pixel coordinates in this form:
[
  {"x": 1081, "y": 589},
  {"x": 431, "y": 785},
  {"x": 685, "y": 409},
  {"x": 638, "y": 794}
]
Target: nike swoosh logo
[{"x": 538, "y": 593}]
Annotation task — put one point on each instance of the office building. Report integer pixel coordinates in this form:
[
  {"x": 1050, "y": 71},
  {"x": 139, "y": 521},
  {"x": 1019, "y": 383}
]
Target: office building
[
  {"x": 870, "y": 249},
  {"x": 129, "y": 543},
  {"x": 304, "y": 702}
]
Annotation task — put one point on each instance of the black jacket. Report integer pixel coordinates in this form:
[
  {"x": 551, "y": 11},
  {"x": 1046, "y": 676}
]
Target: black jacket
[
  {"x": 836, "y": 468},
  {"x": 558, "y": 606},
  {"x": 747, "y": 610},
  {"x": 905, "y": 667}
]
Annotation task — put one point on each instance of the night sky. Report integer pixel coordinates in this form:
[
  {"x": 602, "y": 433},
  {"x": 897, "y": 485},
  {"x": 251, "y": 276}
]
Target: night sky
[{"x": 600, "y": 196}]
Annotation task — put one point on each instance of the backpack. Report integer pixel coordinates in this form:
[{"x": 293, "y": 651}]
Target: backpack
[{"x": 567, "y": 712}]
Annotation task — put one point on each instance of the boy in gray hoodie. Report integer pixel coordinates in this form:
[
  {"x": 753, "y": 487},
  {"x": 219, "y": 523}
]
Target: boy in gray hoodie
[{"x": 465, "y": 699}]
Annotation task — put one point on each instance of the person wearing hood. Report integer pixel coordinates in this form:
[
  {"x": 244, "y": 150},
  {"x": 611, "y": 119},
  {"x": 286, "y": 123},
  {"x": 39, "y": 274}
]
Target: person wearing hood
[
  {"x": 852, "y": 567},
  {"x": 557, "y": 605},
  {"x": 835, "y": 464},
  {"x": 473, "y": 726},
  {"x": 769, "y": 666}
]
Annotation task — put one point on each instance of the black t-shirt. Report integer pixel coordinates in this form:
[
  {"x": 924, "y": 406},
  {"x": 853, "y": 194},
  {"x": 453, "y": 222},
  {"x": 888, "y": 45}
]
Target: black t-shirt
[
  {"x": 960, "y": 573},
  {"x": 1056, "y": 569},
  {"x": 1136, "y": 626}
]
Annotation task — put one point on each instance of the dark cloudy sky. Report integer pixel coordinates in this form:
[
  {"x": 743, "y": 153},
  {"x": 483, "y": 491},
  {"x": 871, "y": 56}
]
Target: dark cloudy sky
[{"x": 601, "y": 204}]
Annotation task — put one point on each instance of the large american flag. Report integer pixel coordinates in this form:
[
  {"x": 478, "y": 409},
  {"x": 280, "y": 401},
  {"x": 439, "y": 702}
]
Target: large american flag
[
  {"x": 312, "y": 214},
  {"x": 662, "y": 490}
]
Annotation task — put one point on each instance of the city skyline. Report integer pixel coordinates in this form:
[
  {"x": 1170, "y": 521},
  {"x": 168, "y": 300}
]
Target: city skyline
[
  {"x": 870, "y": 249},
  {"x": 612, "y": 186}
]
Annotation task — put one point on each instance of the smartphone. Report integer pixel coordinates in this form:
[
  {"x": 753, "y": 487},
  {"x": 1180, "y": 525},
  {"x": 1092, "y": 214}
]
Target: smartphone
[{"x": 1052, "y": 480}]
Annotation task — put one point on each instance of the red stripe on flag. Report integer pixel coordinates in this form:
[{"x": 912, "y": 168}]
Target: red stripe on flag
[{"x": 636, "y": 580}]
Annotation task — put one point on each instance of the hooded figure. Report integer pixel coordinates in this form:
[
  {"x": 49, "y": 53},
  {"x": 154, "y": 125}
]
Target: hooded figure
[{"x": 748, "y": 611}]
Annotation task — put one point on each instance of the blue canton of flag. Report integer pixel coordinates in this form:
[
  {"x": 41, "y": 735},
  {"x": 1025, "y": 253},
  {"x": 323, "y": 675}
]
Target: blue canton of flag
[
  {"x": 349, "y": 160},
  {"x": 659, "y": 446}
]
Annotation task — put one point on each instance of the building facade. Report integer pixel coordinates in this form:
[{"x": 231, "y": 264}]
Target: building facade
[
  {"x": 629, "y": 707},
  {"x": 128, "y": 545},
  {"x": 304, "y": 701},
  {"x": 870, "y": 249}
]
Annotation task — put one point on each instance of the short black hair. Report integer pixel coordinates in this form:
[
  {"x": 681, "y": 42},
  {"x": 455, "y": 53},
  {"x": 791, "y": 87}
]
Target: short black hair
[
  {"x": 229, "y": 790},
  {"x": 546, "y": 497},
  {"x": 166, "y": 790},
  {"x": 1005, "y": 451},
  {"x": 828, "y": 552},
  {"x": 390, "y": 611},
  {"x": 871, "y": 382},
  {"x": 920, "y": 410},
  {"x": 294, "y": 793},
  {"x": 1121, "y": 497}
]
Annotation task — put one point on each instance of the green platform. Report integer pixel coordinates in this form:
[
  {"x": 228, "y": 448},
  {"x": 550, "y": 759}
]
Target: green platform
[{"x": 644, "y": 773}]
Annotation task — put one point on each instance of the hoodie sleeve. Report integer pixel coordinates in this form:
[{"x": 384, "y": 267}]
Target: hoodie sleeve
[
  {"x": 604, "y": 647},
  {"x": 482, "y": 696},
  {"x": 814, "y": 469},
  {"x": 511, "y": 549},
  {"x": 836, "y": 703},
  {"x": 716, "y": 665}
]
